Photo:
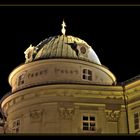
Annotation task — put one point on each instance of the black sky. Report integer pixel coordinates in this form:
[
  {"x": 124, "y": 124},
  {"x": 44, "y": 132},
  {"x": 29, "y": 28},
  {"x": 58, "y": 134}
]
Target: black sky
[{"x": 112, "y": 31}]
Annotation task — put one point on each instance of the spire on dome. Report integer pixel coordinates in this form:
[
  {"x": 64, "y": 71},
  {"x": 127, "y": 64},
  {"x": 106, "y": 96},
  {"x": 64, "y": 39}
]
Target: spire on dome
[{"x": 63, "y": 30}]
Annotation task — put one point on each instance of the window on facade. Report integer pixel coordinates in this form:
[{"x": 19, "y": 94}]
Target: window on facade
[
  {"x": 16, "y": 126},
  {"x": 136, "y": 121},
  {"x": 21, "y": 79},
  {"x": 87, "y": 74},
  {"x": 36, "y": 74},
  {"x": 88, "y": 123}
]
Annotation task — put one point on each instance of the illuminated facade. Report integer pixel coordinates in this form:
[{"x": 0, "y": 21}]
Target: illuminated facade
[{"x": 64, "y": 88}]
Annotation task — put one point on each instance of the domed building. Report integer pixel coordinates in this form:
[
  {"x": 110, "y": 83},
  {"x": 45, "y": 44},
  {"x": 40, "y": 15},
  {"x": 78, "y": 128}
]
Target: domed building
[{"x": 63, "y": 88}]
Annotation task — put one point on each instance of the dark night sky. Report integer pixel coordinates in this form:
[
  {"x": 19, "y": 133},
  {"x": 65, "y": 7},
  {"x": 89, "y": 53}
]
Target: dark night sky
[{"x": 113, "y": 31}]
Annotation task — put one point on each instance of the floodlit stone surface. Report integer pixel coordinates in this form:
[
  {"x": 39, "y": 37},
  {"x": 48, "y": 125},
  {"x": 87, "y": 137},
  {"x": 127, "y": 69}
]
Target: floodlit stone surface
[{"x": 63, "y": 88}]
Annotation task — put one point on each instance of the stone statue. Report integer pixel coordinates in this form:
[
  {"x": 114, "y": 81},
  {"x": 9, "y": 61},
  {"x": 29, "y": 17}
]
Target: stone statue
[{"x": 29, "y": 53}]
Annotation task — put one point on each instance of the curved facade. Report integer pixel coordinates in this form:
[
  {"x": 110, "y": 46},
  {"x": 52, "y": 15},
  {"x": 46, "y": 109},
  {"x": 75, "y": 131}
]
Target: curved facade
[
  {"x": 64, "y": 88},
  {"x": 59, "y": 71}
]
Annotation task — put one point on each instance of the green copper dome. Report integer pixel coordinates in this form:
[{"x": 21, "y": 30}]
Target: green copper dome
[{"x": 62, "y": 46}]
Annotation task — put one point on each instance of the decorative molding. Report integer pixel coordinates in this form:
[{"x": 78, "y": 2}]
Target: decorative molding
[
  {"x": 36, "y": 115},
  {"x": 84, "y": 107},
  {"x": 66, "y": 113},
  {"x": 112, "y": 115},
  {"x": 65, "y": 71},
  {"x": 66, "y": 110},
  {"x": 110, "y": 106},
  {"x": 37, "y": 73}
]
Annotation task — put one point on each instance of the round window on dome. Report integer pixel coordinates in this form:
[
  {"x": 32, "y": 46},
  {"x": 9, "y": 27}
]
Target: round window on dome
[{"x": 83, "y": 50}]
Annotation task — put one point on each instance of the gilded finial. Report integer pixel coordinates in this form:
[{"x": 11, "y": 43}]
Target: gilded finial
[{"x": 63, "y": 30}]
